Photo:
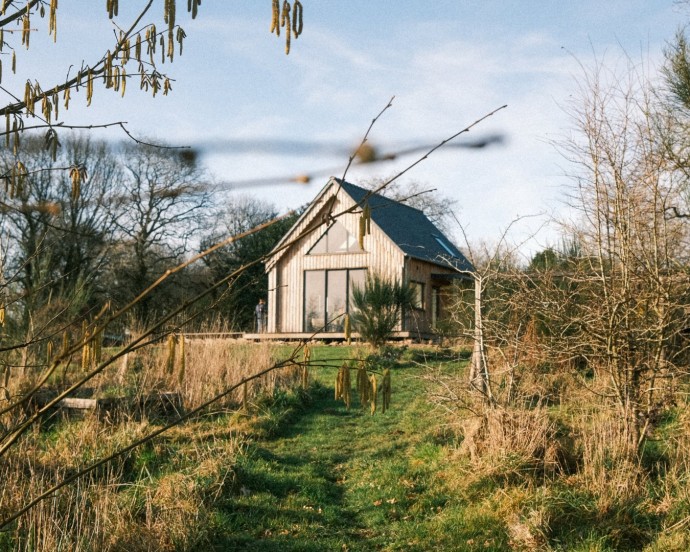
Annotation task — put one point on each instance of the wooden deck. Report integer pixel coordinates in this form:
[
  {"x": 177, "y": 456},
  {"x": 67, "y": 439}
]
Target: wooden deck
[
  {"x": 330, "y": 336},
  {"x": 303, "y": 336},
  {"x": 214, "y": 335}
]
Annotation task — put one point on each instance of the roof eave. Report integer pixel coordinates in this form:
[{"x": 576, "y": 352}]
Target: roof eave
[
  {"x": 277, "y": 251},
  {"x": 446, "y": 263}
]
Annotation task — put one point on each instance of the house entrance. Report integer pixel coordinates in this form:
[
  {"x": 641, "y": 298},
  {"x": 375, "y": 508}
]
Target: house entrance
[{"x": 327, "y": 297}]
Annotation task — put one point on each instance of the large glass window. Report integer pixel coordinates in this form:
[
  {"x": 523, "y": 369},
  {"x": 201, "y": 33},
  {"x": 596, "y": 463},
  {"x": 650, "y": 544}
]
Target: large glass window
[
  {"x": 314, "y": 299},
  {"x": 327, "y": 297},
  {"x": 336, "y": 240},
  {"x": 357, "y": 278},
  {"x": 336, "y": 299},
  {"x": 418, "y": 294}
]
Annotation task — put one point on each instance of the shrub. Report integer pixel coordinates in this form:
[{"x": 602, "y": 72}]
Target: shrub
[{"x": 378, "y": 307}]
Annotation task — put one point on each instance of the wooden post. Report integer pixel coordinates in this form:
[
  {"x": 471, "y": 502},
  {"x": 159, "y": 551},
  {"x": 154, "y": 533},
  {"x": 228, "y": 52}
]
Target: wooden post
[{"x": 479, "y": 373}]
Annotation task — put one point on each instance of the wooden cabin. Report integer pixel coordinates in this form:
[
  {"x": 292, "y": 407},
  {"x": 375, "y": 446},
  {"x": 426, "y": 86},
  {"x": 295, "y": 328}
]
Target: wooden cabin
[{"x": 313, "y": 269}]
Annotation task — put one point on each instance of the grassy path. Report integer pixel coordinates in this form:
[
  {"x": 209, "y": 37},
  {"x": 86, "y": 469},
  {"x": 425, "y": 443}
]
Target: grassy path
[{"x": 332, "y": 479}]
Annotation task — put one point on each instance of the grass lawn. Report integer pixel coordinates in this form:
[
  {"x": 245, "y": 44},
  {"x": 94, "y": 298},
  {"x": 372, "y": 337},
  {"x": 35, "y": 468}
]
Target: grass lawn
[
  {"x": 301, "y": 472},
  {"x": 332, "y": 479}
]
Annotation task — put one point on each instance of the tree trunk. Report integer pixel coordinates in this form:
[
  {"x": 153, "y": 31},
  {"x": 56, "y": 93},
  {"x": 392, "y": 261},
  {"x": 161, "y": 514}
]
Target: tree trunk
[{"x": 479, "y": 374}]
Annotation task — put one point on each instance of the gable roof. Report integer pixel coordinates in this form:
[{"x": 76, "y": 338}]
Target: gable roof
[{"x": 407, "y": 227}]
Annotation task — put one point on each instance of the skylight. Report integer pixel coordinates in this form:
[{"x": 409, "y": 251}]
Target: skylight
[{"x": 445, "y": 246}]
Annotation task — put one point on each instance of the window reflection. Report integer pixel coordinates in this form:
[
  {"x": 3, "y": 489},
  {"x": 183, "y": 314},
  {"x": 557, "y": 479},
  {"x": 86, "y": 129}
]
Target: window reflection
[
  {"x": 336, "y": 300},
  {"x": 314, "y": 299},
  {"x": 327, "y": 297},
  {"x": 336, "y": 240},
  {"x": 417, "y": 294}
]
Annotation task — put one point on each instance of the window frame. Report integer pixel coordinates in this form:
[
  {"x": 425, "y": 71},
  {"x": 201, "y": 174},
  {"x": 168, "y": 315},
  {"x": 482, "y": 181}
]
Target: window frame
[
  {"x": 419, "y": 297},
  {"x": 324, "y": 314},
  {"x": 446, "y": 246},
  {"x": 352, "y": 244}
]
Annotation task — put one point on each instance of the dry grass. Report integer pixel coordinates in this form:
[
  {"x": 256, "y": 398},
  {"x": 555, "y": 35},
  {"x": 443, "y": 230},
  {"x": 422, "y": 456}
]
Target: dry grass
[
  {"x": 213, "y": 365},
  {"x": 608, "y": 468},
  {"x": 157, "y": 497},
  {"x": 511, "y": 443},
  {"x": 199, "y": 369},
  {"x": 210, "y": 366},
  {"x": 552, "y": 462}
]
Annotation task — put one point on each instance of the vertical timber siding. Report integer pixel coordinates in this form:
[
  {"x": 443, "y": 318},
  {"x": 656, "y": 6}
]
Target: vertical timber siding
[{"x": 381, "y": 255}]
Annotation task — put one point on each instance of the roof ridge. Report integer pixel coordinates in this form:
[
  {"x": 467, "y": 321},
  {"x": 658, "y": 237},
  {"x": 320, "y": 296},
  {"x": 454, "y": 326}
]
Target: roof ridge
[
  {"x": 408, "y": 228},
  {"x": 396, "y": 202}
]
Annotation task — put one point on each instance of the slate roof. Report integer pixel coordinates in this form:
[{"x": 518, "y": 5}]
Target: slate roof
[{"x": 409, "y": 229}]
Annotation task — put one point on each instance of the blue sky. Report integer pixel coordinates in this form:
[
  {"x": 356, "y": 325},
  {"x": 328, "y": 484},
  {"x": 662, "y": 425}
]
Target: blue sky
[{"x": 446, "y": 62}]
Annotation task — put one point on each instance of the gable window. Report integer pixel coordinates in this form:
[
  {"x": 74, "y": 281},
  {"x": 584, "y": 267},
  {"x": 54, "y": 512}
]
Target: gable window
[
  {"x": 327, "y": 297},
  {"x": 336, "y": 240},
  {"x": 417, "y": 295}
]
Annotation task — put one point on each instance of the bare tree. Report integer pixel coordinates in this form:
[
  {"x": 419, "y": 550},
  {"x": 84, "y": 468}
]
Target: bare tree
[
  {"x": 628, "y": 293},
  {"x": 163, "y": 207},
  {"x": 437, "y": 207},
  {"x": 494, "y": 309},
  {"x": 58, "y": 240}
]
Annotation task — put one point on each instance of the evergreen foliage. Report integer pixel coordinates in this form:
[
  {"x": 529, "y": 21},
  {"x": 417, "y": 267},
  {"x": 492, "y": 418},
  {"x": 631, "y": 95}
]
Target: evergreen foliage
[
  {"x": 378, "y": 308},
  {"x": 677, "y": 70},
  {"x": 237, "y": 302}
]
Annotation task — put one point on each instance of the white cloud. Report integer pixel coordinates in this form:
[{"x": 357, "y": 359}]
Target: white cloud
[{"x": 447, "y": 63}]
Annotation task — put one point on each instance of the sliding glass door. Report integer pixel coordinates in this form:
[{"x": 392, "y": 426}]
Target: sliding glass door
[{"x": 327, "y": 298}]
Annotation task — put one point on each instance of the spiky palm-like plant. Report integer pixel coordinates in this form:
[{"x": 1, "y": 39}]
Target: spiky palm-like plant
[{"x": 378, "y": 308}]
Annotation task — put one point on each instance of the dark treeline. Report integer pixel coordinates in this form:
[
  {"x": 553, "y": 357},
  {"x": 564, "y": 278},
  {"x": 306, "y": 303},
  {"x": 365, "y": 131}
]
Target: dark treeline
[{"x": 70, "y": 246}]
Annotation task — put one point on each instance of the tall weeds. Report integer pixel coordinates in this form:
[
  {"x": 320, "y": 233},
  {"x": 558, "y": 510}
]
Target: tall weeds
[
  {"x": 565, "y": 471},
  {"x": 156, "y": 497}
]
